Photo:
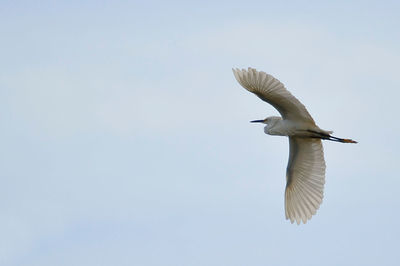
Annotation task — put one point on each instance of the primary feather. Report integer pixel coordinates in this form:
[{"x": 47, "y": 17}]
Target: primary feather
[{"x": 305, "y": 179}]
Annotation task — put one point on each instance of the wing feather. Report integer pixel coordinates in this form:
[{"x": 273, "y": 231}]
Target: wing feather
[
  {"x": 305, "y": 179},
  {"x": 272, "y": 91}
]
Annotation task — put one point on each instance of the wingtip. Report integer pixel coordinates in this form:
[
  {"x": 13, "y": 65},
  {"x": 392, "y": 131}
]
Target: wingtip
[
  {"x": 235, "y": 69},
  {"x": 251, "y": 69}
]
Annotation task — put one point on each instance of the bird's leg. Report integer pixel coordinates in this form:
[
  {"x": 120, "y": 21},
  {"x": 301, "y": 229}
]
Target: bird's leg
[
  {"x": 331, "y": 138},
  {"x": 341, "y": 140}
]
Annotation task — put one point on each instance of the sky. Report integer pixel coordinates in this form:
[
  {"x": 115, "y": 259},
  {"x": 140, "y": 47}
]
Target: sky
[{"x": 126, "y": 138}]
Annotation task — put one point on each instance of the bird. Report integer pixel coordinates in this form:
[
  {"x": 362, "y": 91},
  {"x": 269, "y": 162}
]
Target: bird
[{"x": 305, "y": 171}]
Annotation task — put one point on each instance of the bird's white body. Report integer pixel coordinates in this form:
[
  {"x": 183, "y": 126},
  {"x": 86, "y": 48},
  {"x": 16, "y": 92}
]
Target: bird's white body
[
  {"x": 305, "y": 173},
  {"x": 284, "y": 127}
]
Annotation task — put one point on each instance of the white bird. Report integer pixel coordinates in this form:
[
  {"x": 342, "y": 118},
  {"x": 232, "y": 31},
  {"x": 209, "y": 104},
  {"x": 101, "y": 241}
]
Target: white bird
[{"x": 305, "y": 172}]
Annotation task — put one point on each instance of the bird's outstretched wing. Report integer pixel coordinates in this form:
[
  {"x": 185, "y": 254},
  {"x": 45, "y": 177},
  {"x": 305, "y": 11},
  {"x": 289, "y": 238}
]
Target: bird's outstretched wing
[
  {"x": 272, "y": 91},
  {"x": 305, "y": 179}
]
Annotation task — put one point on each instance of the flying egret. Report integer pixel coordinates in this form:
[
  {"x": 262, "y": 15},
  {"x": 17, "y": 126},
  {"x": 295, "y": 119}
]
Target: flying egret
[{"x": 305, "y": 172}]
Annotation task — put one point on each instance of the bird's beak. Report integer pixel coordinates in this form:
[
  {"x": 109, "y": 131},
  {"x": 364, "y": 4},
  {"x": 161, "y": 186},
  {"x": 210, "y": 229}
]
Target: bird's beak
[{"x": 257, "y": 121}]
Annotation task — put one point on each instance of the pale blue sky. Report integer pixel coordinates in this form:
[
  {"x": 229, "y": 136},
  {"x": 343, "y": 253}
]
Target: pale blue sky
[{"x": 126, "y": 138}]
